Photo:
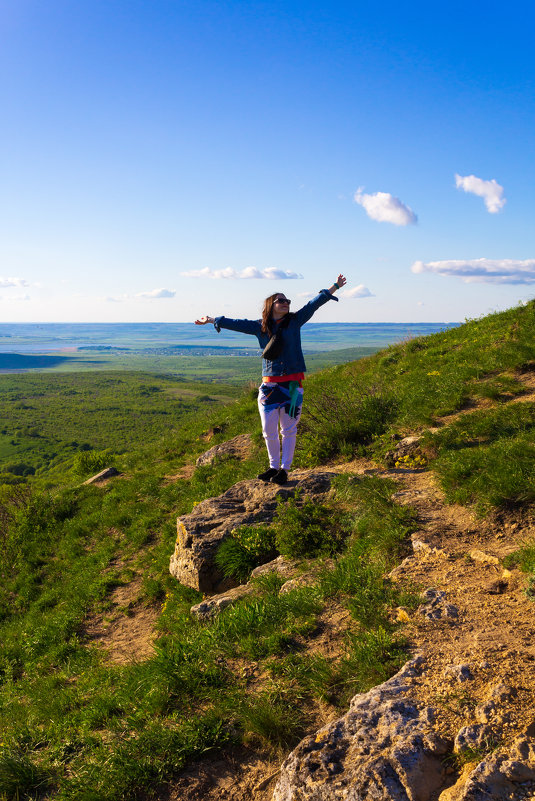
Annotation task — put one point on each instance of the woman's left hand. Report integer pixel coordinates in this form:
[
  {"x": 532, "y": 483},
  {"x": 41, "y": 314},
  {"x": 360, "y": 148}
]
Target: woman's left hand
[{"x": 341, "y": 280}]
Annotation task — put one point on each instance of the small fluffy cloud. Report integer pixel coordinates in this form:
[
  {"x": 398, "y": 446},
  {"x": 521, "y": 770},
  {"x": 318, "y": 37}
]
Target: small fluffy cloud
[
  {"x": 359, "y": 291},
  {"x": 384, "y": 207},
  {"x": 5, "y": 282},
  {"x": 490, "y": 191},
  {"x": 248, "y": 272},
  {"x": 15, "y": 297},
  {"x": 155, "y": 294},
  {"x": 483, "y": 271}
]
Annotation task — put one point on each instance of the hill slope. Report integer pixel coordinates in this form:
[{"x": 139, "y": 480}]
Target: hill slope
[{"x": 78, "y": 726}]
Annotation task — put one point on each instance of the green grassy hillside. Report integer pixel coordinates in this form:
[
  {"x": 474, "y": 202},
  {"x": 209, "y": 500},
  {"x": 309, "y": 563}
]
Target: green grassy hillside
[{"x": 74, "y": 725}]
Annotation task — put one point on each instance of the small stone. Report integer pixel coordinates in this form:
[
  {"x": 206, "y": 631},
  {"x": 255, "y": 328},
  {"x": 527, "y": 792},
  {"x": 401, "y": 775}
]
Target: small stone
[
  {"x": 471, "y": 738},
  {"x": 506, "y": 573},
  {"x": 502, "y": 692},
  {"x": 108, "y": 472},
  {"x": 481, "y": 556},
  {"x": 497, "y": 587},
  {"x": 484, "y": 712},
  {"x": 460, "y": 672}
]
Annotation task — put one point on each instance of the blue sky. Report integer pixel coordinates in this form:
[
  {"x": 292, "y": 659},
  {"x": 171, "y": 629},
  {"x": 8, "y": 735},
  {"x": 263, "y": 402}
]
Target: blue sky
[{"x": 156, "y": 154}]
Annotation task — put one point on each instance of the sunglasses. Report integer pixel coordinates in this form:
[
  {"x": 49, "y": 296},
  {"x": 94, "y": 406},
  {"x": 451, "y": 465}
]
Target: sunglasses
[{"x": 282, "y": 300}]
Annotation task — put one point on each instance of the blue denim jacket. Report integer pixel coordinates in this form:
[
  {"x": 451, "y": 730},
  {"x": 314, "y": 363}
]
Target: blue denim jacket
[{"x": 291, "y": 359}]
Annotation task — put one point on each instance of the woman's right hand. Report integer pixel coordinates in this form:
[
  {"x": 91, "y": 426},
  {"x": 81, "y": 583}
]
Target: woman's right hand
[{"x": 204, "y": 320}]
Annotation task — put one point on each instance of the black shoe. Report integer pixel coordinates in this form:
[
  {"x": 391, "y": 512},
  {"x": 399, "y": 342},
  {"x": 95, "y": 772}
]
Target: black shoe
[
  {"x": 281, "y": 477},
  {"x": 268, "y": 474}
]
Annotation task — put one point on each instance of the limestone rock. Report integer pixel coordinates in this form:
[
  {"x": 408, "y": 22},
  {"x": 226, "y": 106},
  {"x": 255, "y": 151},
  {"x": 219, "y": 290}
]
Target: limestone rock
[
  {"x": 383, "y": 748},
  {"x": 501, "y": 776},
  {"x": 305, "y": 579},
  {"x": 480, "y": 556},
  {"x": 424, "y": 548},
  {"x": 485, "y": 712},
  {"x": 436, "y": 607},
  {"x": 238, "y": 448},
  {"x": 502, "y": 692},
  {"x": 472, "y": 738},
  {"x": 459, "y": 672},
  {"x": 211, "y": 607},
  {"x": 282, "y": 565},
  {"x": 406, "y": 448},
  {"x": 108, "y": 472},
  {"x": 246, "y": 503}
]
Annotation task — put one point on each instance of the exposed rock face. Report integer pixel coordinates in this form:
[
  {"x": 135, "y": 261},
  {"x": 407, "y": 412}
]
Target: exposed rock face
[
  {"x": 238, "y": 448},
  {"x": 499, "y": 777},
  {"x": 383, "y": 748},
  {"x": 386, "y": 748},
  {"x": 248, "y": 502}
]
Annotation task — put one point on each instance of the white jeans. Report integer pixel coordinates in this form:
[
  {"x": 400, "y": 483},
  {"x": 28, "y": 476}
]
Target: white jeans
[{"x": 288, "y": 428}]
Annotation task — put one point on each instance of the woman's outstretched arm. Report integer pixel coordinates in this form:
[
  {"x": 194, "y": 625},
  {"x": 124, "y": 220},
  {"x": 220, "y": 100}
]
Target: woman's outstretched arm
[{"x": 243, "y": 326}]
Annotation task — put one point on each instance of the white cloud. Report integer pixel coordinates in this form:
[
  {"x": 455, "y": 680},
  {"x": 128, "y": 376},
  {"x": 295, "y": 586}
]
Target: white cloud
[
  {"x": 248, "y": 272},
  {"x": 306, "y": 295},
  {"x": 384, "y": 207},
  {"x": 155, "y": 294},
  {"x": 359, "y": 291},
  {"x": 5, "y": 282},
  {"x": 15, "y": 297},
  {"x": 490, "y": 191},
  {"x": 483, "y": 271}
]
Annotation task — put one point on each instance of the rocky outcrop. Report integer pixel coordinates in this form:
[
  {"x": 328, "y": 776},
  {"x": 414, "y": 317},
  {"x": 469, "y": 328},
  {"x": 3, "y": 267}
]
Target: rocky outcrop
[
  {"x": 385, "y": 747},
  {"x": 238, "y": 448},
  {"x": 501, "y": 776},
  {"x": 200, "y": 533}
]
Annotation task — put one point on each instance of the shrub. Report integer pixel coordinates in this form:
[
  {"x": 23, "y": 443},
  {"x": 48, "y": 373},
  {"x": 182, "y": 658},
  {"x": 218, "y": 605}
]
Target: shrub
[
  {"x": 19, "y": 776},
  {"x": 339, "y": 417},
  {"x": 89, "y": 462},
  {"x": 305, "y": 529},
  {"x": 245, "y": 549}
]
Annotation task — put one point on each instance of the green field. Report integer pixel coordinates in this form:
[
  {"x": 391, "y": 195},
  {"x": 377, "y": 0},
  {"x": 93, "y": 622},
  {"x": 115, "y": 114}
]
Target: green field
[
  {"x": 230, "y": 365},
  {"x": 47, "y": 419},
  {"x": 115, "y": 403}
]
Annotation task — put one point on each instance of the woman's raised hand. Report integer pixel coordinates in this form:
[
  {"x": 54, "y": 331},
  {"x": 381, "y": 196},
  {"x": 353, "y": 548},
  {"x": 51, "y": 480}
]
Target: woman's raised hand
[
  {"x": 204, "y": 320},
  {"x": 341, "y": 280}
]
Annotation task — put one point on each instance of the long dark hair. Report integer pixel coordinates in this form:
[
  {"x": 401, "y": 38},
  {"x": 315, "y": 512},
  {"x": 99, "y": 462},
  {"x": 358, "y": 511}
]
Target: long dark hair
[{"x": 267, "y": 310}]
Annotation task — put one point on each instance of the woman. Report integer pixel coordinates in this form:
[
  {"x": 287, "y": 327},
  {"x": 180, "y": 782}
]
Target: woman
[{"x": 280, "y": 396}]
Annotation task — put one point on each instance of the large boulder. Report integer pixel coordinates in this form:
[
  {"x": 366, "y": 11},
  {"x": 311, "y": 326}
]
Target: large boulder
[{"x": 200, "y": 533}]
